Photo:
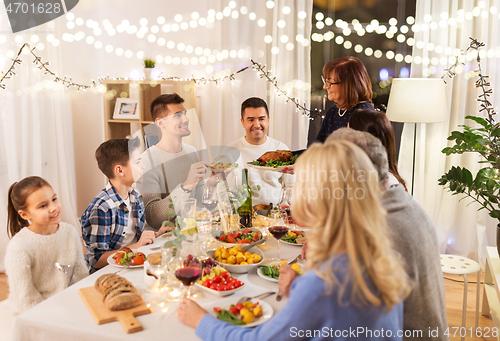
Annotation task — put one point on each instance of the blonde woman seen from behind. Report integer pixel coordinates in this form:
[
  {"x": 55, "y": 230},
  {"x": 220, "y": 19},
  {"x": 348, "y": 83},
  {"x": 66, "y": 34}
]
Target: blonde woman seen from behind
[{"x": 356, "y": 282}]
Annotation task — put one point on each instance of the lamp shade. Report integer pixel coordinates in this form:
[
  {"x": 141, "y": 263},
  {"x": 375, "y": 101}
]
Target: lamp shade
[{"x": 417, "y": 100}]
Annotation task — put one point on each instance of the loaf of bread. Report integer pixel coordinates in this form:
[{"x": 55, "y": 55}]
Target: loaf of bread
[
  {"x": 154, "y": 258},
  {"x": 117, "y": 292}
]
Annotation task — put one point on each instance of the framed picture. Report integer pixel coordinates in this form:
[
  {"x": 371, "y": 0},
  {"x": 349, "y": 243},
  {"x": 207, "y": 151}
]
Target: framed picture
[{"x": 126, "y": 108}]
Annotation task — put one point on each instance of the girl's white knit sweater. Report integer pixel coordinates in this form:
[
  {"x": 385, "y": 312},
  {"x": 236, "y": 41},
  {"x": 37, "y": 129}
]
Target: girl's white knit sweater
[{"x": 30, "y": 268}]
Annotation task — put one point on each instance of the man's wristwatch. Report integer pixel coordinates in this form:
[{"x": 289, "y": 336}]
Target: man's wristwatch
[{"x": 185, "y": 190}]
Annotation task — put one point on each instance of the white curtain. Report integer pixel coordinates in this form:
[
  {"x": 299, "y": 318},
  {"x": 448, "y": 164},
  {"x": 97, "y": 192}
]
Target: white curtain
[
  {"x": 444, "y": 28},
  {"x": 35, "y": 127},
  {"x": 287, "y": 57}
]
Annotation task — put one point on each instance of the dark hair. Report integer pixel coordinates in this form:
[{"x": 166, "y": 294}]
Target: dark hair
[
  {"x": 377, "y": 124},
  {"x": 16, "y": 201},
  {"x": 355, "y": 84},
  {"x": 159, "y": 106},
  {"x": 253, "y": 102},
  {"x": 115, "y": 152}
]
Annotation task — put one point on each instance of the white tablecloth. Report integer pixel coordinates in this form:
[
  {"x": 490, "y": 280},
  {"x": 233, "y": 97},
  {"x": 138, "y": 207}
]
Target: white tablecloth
[{"x": 65, "y": 317}]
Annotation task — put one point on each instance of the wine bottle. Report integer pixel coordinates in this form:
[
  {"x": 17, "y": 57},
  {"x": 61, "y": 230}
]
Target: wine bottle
[{"x": 245, "y": 210}]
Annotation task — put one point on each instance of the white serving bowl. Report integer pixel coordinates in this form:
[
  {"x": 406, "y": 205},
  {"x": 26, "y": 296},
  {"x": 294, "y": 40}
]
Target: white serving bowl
[{"x": 240, "y": 269}]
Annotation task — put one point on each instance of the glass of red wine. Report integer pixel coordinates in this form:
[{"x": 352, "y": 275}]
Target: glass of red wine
[
  {"x": 188, "y": 271},
  {"x": 278, "y": 232}
]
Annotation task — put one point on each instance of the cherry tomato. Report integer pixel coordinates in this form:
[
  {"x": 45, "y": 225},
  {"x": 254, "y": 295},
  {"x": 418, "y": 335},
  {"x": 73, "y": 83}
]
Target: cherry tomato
[
  {"x": 230, "y": 286},
  {"x": 217, "y": 279},
  {"x": 234, "y": 310},
  {"x": 207, "y": 283},
  {"x": 213, "y": 286},
  {"x": 138, "y": 260},
  {"x": 117, "y": 261},
  {"x": 221, "y": 287},
  {"x": 225, "y": 274},
  {"x": 217, "y": 310},
  {"x": 239, "y": 306},
  {"x": 141, "y": 254}
]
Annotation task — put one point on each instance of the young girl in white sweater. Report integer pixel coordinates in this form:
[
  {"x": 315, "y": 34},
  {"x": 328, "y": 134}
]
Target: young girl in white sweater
[{"x": 39, "y": 240}]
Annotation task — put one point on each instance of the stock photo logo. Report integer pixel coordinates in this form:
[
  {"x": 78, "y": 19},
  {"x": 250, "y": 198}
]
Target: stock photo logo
[{"x": 25, "y": 14}]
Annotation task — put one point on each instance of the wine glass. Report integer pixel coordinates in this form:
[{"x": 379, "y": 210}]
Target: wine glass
[
  {"x": 285, "y": 205},
  {"x": 278, "y": 232},
  {"x": 209, "y": 199},
  {"x": 188, "y": 270}
]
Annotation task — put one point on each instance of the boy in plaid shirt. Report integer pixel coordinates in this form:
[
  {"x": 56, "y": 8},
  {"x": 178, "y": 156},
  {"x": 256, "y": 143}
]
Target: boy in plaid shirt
[{"x": 115, "y": 218}]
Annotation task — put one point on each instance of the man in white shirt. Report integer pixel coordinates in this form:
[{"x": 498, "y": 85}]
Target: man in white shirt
[{"x": 255, "y": 121}]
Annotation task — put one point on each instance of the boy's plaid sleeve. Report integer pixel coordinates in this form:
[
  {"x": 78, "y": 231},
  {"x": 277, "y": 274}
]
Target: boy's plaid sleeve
[{"x": 96, "y": 233}]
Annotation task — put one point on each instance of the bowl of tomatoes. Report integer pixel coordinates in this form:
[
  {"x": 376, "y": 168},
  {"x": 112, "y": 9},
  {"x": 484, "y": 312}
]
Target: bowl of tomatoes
[
  {"x": 127, "y": 258},
  {"x": 220, "y": 282},
  {"x": 249, "y": 236}
]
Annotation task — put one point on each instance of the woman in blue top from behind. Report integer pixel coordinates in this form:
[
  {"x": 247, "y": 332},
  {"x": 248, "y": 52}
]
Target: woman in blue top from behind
[{"x": 356, "y": 282}]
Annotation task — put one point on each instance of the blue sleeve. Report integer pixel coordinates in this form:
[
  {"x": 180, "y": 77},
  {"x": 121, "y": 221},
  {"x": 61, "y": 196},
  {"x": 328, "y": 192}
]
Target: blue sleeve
[{"x": 307, "y": 308}]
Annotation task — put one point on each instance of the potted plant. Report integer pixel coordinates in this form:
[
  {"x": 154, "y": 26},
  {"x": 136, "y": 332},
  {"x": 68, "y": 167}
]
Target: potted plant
[
  {"x": 484, "y": 188},
  {"x": 149, "y": 64}
]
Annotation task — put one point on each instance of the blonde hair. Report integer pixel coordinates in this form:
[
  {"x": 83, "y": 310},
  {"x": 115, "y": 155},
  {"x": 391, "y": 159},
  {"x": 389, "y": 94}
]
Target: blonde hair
[{"x": 352, "y": 223}]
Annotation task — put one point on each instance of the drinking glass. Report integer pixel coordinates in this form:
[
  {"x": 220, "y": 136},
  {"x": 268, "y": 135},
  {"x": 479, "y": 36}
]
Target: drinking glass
[
  {"x": 189, "y": 269},
  {"x": 285, "y": 205},
  {"x": 209, "y": 200},
  {"x": 278, "y": 232}
]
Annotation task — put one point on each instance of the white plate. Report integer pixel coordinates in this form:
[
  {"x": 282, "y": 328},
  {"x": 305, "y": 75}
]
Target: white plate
[
  {"x": 259, "y": 272},
  {"x": 276, "y": 169},
  {"x": 282, "y": 241},
  {"x": 267, "y": 310},
  {"x": 111, "y": 262},
  {"x": 218, "y": 293},
  {"x": 223, "y": 170}
]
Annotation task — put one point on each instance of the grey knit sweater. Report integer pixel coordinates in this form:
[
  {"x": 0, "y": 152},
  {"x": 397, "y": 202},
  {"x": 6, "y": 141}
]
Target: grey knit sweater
[
  {"x": 160, "y": 186},
  {"x": 414, "y": 236}
]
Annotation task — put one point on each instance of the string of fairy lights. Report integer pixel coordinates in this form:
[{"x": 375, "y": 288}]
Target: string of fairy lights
[
  {"x": 263, "y": 73},
  {"x": 203, "y": 56}
]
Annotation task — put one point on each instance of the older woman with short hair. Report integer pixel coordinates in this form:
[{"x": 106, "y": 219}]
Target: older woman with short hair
[{"x": 348, "y": 85}]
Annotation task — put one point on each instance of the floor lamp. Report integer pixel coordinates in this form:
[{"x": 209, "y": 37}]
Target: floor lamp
[{"x": 417, "y": 100}]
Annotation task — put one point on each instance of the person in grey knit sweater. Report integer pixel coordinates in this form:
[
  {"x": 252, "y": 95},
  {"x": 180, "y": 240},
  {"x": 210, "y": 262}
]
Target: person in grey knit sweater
[
  {"x": 414, "y": 237},
  {"x": 173, "y": 169}
]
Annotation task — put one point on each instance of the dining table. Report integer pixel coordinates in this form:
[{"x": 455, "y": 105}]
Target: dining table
[{"x": 65, "y": 317}]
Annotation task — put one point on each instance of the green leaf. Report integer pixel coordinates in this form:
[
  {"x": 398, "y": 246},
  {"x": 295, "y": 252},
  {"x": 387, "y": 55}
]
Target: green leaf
[{"x": 479, "y": 120}]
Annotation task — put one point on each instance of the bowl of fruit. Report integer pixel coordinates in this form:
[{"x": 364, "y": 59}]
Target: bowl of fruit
[
  {"x": 217, "y": 280},
  {"x": 236, "y": 259},
  {"x": 244, "y": 237}
]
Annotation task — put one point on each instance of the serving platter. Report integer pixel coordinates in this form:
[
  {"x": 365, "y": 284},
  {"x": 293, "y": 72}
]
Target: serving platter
[{"x": 276, "y": 169}]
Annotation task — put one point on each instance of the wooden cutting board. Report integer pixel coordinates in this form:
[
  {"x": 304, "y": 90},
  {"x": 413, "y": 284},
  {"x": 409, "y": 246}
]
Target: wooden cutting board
[{"x": 93, "y": 301}]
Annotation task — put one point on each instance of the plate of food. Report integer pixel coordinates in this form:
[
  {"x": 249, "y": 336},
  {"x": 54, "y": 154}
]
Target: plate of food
[
  {"x": 276, "y": 160},
  {"x": 218, "y": 281},
  {"x": 247, "y": 314},
  {"x": 294, "y": 237},
  {"x": 127, "y": 258},
  {"x": 220, "y": 167},
  {"x": 271, "y": 271},
  {"x": 242, "y": 236}
]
